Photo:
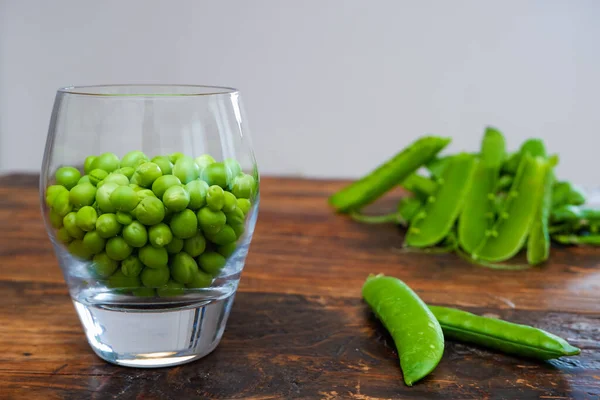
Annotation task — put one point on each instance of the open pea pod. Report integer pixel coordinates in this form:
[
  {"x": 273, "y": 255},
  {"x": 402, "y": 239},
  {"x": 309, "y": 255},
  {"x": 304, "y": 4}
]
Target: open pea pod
[
  {"x": 513, "y": 225},
  {"x": 436, "y": 219},
  {"x": 386, "y": 176},
  {"x": 477, "y": 215}
]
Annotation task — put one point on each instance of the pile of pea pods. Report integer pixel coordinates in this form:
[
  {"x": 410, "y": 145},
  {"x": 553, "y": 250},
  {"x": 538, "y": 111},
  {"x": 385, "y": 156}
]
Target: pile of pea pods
[
  {"x": 485, "y": 206},
  {"x": 151, "y": 227}
]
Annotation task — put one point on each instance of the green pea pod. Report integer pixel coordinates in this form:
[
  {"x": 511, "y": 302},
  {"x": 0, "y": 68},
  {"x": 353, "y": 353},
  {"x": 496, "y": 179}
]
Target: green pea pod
[
  {"x": 588, "y": 240},
  {"x": 477, "y": 214},
  {"x": 387, "y": 175},
  {"x": 421, "y": 186},
  {"x": 538, "y": 243},
  {"x": 521, "y": 340},
  {"x": 436, "y": 219},
  {"x": 512, "y": 226},
  {"x": 535, "y": 148},
  {"x": 416, "y": 332},
  {"x": 409, "y": 207}
]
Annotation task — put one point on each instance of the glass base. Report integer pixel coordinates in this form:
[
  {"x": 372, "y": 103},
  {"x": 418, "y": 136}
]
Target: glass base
[{"x": 155, "y": 335}]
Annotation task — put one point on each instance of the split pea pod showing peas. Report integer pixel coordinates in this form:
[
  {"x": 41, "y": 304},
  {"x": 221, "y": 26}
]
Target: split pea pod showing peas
[
  {"x": 416, "y": 333},
  {"x": 436, "y": 219},
  {"x": 509, "y": 233},
  {"x": 477, "y": 215},
  {"x": 387, "y": 175},
  {"x": 521, "y": 340}
]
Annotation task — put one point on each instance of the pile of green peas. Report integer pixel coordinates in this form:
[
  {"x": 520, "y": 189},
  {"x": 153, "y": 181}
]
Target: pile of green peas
[{"x": 152, "y": 226}]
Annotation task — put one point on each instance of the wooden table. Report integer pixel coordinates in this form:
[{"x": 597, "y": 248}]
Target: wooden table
[{"x": 298, "y": 328}]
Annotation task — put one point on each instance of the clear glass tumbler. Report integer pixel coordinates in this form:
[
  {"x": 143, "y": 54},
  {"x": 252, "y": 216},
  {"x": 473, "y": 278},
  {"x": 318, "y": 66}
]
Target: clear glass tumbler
[{"x": 150, "y": 196}]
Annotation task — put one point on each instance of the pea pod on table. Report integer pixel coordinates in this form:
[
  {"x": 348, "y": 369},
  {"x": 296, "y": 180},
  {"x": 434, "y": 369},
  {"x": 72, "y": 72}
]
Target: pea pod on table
[
  {"x": 421, "y": 186},
  {"x": 478, "y": 213},
  {"x": 416, "y": 332},
  {"x": 521, "y": 340},
  {"x": 437, "y": 217},
  {"x": 387, "y": 175},
  {"x": 509, "y": 233}
]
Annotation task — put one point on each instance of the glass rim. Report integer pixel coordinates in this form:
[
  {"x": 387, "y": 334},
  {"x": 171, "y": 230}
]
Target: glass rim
[{"x": 160, "y": 90}]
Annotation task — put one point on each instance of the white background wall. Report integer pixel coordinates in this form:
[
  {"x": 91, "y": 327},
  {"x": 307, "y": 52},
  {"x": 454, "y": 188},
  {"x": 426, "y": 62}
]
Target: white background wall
[{"x": 319, "y": 76}]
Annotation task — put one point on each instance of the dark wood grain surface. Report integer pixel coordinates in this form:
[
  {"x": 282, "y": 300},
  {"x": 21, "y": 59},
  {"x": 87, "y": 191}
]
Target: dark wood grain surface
[{"x": 298, "y": 328}]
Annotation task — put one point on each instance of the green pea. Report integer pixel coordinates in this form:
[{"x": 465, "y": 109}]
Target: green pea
[
  {"x": 160, "y": 235},
  {"x": 86, "y": 218},
  {"x": 415, "y": 330},
  {"x": 226, "y": 235},
  {"x": 93, "y": 242},
  {"x": 239, "y": 230},
  {"x": 244, "y": 205},
  {"x": 143, "y": 193},
  {"x": 82, "y": 195},
  {"x": 153, "y": 257},
  {"x": 229, "y": 202},
  {"x": 103, "y": 265},
  {"x": 146, "y": 174},
  {"x": 127, "y": 171},
  {"x": 124, "y": 198},
  {"x": 52, "y": 192},
  {"x": 61, "y": 204},
  {"x": 227, "y": 250},
  {"x": 131, "y": 266},
  {"x": 200, "y": 280},
  {"x": 118, "y": 249},
  {"x": 197, "y": 190},
  {"x": 136, "y": 188},
  {"x": 186, "y": 169},
  {"x": 215, "y": 197},
  {"x": 211, "y": 262},
  {"x": 184, "y": 224},
  {"x": 135, "y": 234},
  {"x": 63, "y": 235},
  {"x": 55, "y": 219},
  {"x": 243, "y": 186},
  {"x": 176, "y": 198},
  {"x": 215, "y": 174},
  {"x": 120, "y": 280},
  {"x": 143, "y": 292},
  {"x": 67, "y": 176},
  {"x": 155, "y": 277},
  {"x": 84, "y": 179},
  {"x": 70, "y": 223},
  {"x": 203, "y": 161},
  {"x": 103, "y": 197},
  {"x": 173, "y": 157},
  {"x": 133, "y": 159},
  {"x": 195, "y": 245},
  {"x": 160, "y": 186},
  {"x": 211, "y": 221},
  {"x": 107, "y": 161},
  {"x": 236, "y": 217},
  {"x": 150, "y": 211},
  {"x": 77, "y": 249},
  {"x": 107, "y": 225},
  {"x": 87, "y": 165},
  {"x": 97, "y": 176},
  {"x": 183, "y": 267},
  {"x": 171, "y": 289},
  {"x": 175, "y": 246},
  {"x": 117, "y": 178},
  {"x": 124, "y": 218},
  {"x": 233, "y": 168},
  {"x": 164, "y": 164}
]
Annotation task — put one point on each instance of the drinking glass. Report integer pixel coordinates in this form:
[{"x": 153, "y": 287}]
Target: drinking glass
[{"x": 147, "y": 294}]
